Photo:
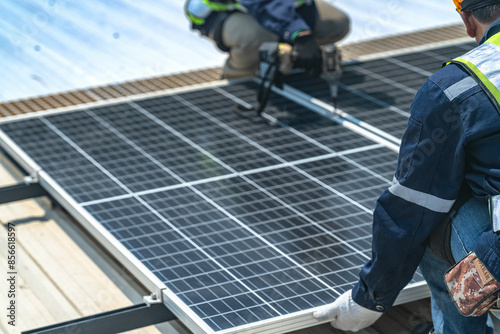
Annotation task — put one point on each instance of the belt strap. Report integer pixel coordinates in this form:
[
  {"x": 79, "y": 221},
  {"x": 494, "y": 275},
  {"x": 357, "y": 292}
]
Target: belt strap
[{"x": 440, "y": 239}]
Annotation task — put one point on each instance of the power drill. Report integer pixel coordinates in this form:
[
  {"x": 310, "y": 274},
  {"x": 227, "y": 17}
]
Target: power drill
[{"x": 276, "y": 60}]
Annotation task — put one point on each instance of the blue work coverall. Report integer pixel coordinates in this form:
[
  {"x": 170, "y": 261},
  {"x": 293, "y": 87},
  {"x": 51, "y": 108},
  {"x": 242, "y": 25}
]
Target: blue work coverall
[
  {"x": 278, "y": 16},
  {"x": 452, "y": 138}
]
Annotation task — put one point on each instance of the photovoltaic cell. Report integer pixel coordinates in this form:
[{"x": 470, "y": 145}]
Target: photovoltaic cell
[
  {"x": 380, "y": 92},
  {"x": 244, "y": 219}
]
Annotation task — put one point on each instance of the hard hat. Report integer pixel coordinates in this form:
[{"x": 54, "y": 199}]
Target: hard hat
[{"x": 468, "y": 5}]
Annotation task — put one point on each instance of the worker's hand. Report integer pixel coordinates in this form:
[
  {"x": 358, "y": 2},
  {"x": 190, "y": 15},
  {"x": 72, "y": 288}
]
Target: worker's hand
[
  {"x": 345, "y": 314},
  {"x": 306, "y": 54}
]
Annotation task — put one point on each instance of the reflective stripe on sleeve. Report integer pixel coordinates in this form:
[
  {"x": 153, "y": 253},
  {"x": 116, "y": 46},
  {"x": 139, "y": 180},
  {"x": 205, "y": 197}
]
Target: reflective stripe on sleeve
[
  {"x": 424, "y": 200},
  {"x": 460, "y": 87}
]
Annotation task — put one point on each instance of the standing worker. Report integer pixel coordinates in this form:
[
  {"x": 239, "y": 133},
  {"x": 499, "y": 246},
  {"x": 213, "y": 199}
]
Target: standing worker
[
  {"x": 451, "y": 148},
  {"x": 239, "y": 27}
]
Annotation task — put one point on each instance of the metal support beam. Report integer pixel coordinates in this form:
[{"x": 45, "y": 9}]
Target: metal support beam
[
  {"x": 21, "y": 191},
  {"x": 116, "y": 321}
]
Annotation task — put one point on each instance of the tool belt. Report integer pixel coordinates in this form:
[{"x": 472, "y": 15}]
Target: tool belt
[
  {"x": 472, "y": 288},
  {"x": 440, "y": 239}
]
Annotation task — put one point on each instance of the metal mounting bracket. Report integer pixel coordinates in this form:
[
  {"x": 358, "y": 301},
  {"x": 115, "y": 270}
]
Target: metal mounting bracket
[
  {"x": 30, "y": 188},
  {"x": 116, "y": 321}
]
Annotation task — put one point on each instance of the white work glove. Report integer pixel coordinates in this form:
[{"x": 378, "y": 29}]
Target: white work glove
[{"x": 345, "y": 314}]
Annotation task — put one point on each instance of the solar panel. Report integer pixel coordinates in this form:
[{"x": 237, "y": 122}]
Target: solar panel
[
  {"x": 244, "y": 224},
  {"x": 379, "y": 92}
]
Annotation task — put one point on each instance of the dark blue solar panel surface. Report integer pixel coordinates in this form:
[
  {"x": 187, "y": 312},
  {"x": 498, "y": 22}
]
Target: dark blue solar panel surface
[
  {"x": 273, "y": 223},
  {"x": 379, "y": 92},
  {"x": 243, "y": 219}
]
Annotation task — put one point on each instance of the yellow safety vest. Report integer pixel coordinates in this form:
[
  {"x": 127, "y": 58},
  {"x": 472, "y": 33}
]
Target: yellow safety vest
[{"x": 483, "y": 63}]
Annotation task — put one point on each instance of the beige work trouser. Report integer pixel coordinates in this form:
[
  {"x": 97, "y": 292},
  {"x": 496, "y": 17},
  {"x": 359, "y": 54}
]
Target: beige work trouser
[{"x": 243, "y": 36}]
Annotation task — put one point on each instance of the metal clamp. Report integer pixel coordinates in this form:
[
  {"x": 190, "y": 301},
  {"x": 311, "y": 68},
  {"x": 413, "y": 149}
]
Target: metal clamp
[
  {"x": 494, "y": 206},
  {"x": 152, "y": 299}
]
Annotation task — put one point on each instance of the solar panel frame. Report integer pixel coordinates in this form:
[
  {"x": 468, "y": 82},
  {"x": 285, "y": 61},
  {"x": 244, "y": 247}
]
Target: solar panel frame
[
  {"x": 279, "y": 324},
  {"x": 191, "y": 319}
]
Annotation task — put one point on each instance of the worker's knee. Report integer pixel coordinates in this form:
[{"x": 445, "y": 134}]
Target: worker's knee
[
  {"x": 241, "y": 31},
  {"x": 332, "y": 24}
]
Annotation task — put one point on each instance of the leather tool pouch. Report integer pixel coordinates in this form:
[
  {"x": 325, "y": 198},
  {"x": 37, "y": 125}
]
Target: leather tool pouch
[{"x": 472, "y": 287}]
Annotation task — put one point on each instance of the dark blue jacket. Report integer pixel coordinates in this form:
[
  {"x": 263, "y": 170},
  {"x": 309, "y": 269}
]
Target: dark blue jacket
[
  {"x": 277, "y": 16},
  {"x": 453, "y": 136}
]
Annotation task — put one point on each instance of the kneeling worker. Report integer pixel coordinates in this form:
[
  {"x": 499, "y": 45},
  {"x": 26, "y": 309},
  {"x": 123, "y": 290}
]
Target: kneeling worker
[
  {"x": 239, "y": 27},
  {"x": 450, "y": 149}
]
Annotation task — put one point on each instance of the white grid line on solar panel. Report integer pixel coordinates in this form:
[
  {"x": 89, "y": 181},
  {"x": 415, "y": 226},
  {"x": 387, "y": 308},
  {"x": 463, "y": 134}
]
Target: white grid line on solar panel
[
  {"x": 343, "y": 179},
  {"x": 131, "y": 168},
  {"x": 292, "y": 247},
  {"x": 416, "y": 60},
  {"x": 170, "y": 267},
  {"x": 234, "y": 150},
  {"x": 207, "y": 221},
  {"x": 297, "y": 188},
  {"x": 410, "y": 67},
  {"x": 136, "y": 147},
  {"x": 205, "y": 232},
  {"x": 220, "y": 123},
  {"x": 381, "y": 118},
  {"x": 311, "y": 255},
  {"x": 245, "y": 310},
  {"x": 228, "y": 140},
  {"x": 195, "y": 108},
  {"x": 83, "y": 153},
  {"x": 448, "y": 53},
  {"x": 206, "y": 311},
  {"x": 247, "y": 274},
  {"x": 157, "y": 163},
  {"x": 310, "y": 123},
  {"x": 149, "y": 207},
  {"x": 258, "y": 236},
  {"x": 297, "y": 290},
  {"x": 277, "y": 293},
  {"x": 164, "y": 146},
  {"x": 374, "y": 100},
  {"x": 293, "y": 209},
  {"x": 232, "y": 175},
  {"x": 279, "y": 141},
  {"x": 367, "y": 93},
  {"x": 206, "y": 254},
  {"x": 313, "y": 125},
  {"x": 323, "y": 147},
  {"x": 270, "y": 284},
  {"x": 391, "y": 73},
  {"x": 47, "y": 146},
  {"x": 383, "y": 162},
  {"x": 287, "y": 301}
]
